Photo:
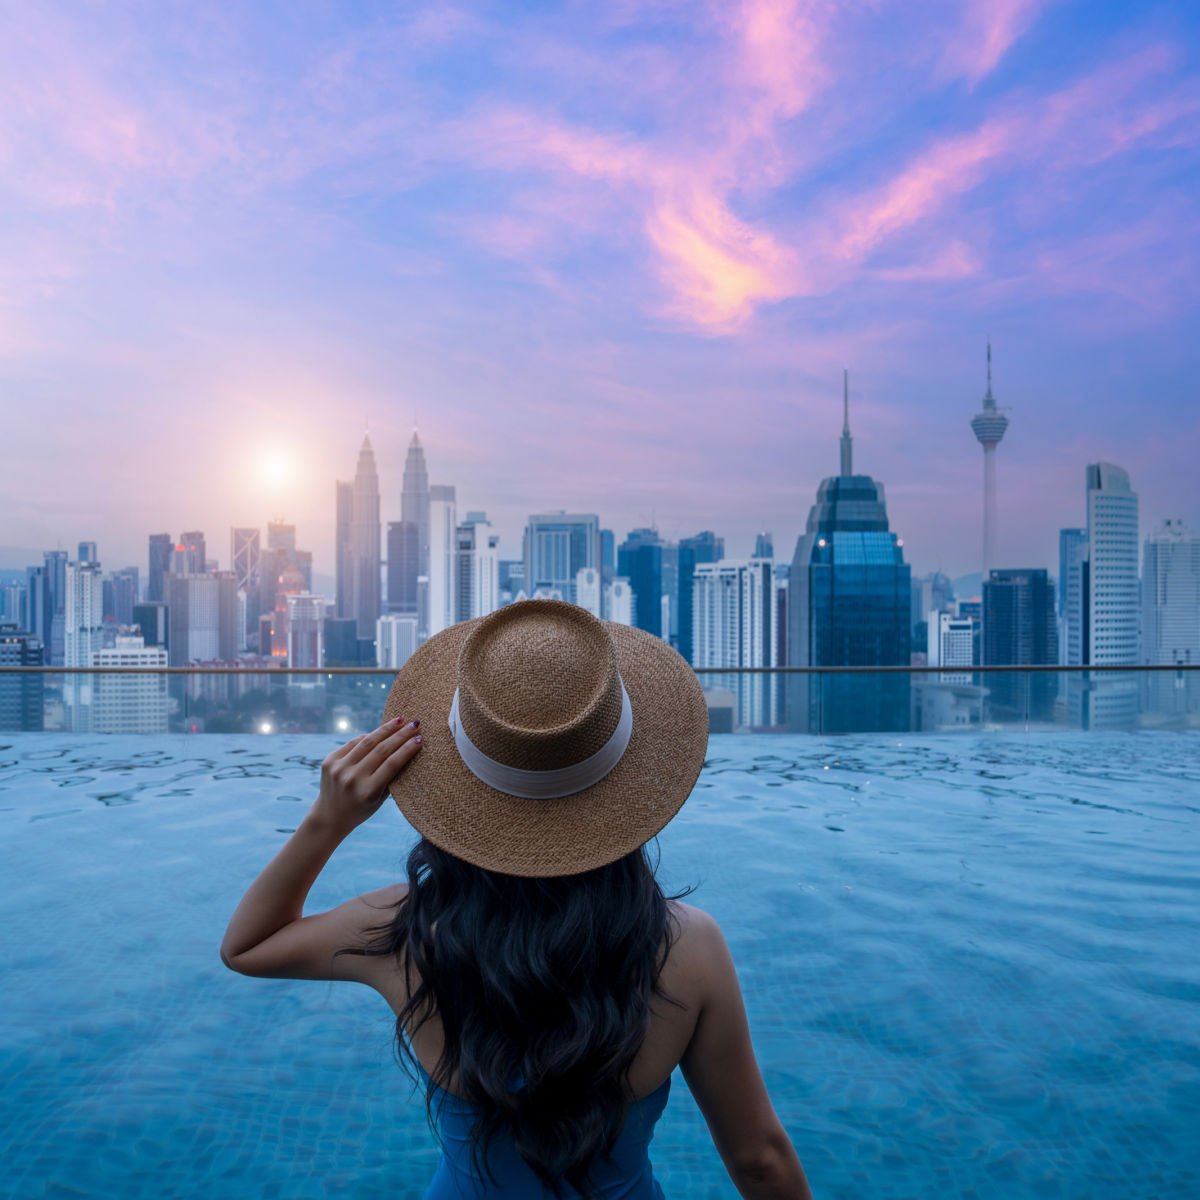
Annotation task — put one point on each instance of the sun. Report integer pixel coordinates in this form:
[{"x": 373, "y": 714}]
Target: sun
[{"x": 275, "y": 470}]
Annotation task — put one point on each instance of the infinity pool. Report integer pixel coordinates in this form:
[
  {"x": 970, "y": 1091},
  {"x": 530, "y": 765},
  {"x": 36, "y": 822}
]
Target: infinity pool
[{"x": 970, "y": 965}]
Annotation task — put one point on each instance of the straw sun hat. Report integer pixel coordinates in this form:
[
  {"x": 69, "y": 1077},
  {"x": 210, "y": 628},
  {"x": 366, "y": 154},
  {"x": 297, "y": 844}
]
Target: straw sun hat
[{"x": 554, "y": 742}]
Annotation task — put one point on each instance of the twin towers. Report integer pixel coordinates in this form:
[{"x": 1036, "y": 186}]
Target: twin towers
[{"x": 358, "y": 539}]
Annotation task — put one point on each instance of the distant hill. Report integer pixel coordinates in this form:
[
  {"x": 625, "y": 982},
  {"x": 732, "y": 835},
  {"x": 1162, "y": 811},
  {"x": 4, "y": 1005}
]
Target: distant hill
[
  {"x": 19, "y": 557},
  {"x": 966, "y": 586}
]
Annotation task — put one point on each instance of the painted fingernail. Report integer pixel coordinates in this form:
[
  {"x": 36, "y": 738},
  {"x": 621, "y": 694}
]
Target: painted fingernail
[
  {"x": 415, "y": 722},
  {"x": 417, "y": 739},
  {"x": 398, "y": 720}
]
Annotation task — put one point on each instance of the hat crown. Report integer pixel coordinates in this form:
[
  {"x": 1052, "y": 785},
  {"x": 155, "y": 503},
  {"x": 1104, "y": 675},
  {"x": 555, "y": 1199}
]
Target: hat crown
[{"x": 538, "y": 685}]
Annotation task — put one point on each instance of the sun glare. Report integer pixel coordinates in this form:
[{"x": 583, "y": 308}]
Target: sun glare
[{"x": 275, "y": 470}]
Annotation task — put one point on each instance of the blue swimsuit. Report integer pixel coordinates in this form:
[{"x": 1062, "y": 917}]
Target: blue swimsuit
[{"x": 626, "y": 1175}]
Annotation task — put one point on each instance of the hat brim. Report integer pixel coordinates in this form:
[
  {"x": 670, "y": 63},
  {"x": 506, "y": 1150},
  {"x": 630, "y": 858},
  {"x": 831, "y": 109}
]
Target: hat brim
[{"x": 447, "y": 804}]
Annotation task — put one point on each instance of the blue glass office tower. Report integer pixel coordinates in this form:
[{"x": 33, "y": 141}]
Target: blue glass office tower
[
  {"x": 1020, "y": 629},
  {"x": 849, "y": 604},
  {"x": 705, "y": 547},
  {"x": 640, "y": 560}
]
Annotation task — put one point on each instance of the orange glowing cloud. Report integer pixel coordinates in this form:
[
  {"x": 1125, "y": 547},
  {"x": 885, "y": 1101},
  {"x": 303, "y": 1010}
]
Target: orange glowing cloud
[{"x": 717, "y": 268}]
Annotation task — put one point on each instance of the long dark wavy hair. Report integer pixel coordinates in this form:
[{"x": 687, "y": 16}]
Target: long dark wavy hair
[{"x": 543, "y": 988}]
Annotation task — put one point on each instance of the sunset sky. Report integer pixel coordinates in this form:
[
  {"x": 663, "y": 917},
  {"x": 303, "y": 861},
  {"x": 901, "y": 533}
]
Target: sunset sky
[{"x": 610, "y": 257}]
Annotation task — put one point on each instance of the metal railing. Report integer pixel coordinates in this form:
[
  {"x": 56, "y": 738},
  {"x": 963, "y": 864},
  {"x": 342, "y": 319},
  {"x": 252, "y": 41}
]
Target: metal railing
[{"x": 228, "y": 698}]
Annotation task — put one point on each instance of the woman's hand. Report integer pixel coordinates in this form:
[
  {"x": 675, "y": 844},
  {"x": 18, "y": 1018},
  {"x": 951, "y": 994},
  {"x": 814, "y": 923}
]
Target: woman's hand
[{"x": 355, "y": 777}]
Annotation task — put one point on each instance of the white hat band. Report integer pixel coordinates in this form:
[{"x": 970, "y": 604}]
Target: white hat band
[{"x": 544, "y": 785}]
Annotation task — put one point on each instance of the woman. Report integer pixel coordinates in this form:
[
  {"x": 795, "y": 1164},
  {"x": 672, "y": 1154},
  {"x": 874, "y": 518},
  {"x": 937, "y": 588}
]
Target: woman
[{"x": 542, "y": 984}]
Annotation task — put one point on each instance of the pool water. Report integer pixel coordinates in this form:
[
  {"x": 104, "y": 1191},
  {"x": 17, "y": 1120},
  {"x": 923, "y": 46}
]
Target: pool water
[{"x": 970, "y": 965}]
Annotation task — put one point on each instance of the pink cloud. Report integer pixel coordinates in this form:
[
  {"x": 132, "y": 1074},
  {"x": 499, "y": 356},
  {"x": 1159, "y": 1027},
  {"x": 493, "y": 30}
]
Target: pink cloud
[
  {"x": 988, "y": 31},
  {"x": 718, "y": 268},
  {"x": 953, "y": 261},
  {"x": 937, "y": 175}
]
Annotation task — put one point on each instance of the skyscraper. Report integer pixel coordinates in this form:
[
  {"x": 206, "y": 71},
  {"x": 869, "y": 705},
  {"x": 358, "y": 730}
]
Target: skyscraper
[
  {"x": 343, "y": 547},
  {"x": 306, "y": 630},
  {"x": 478, "y": 568},
  {"x": 1102, "y": 604},
  {"x": 640, "y": 559},
  {"x": 83, "y": 613},
  {"x": 124, "y": 587},
  {"x": 734, "y": 625},
  {"x": 134, "y": 702},
  {"x": 161, "y": 547},
  {"x": 849, "y": 604},
  {"x": 55, "y": 582},
  {"x": 245, "y": 547},
  {"x": 403, "y": 559},
  {"x": 37, "y": 617},
  {"x": 443, "y": 559},
  {"x": 1072, "y": 550},
  {"x": 1020, "y": 629},
  {"x": 366, "y": 583},
  {"x": 195, "y": 552},
  {"x": 557, "y": 547},
  {"x": 1171, "y": 617},
  {"x": 21, "y": 695},
  {"x": 83, "y": 621},
  {"x": 203, "y": 618},
  {"x": 414, "y": 503},
  {"x": 705, "y": 547},
  {"x": 989, "y": 427}
]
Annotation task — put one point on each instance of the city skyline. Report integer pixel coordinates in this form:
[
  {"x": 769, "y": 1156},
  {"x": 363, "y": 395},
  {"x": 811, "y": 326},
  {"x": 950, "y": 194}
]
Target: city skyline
[{"x": 609, "y": 261}]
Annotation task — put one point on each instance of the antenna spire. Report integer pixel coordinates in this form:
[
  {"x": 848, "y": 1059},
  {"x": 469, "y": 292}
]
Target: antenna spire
[
  {"x": 847, "y": 443},
  {"x": 989, "y": 400}
]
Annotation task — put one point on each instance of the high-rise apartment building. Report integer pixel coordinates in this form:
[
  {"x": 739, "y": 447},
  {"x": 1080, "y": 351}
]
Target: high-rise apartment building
[
  {"x": 396, "y": 639},
  {"x": 203, "y": 618},
  {"x": 133, "y": 702},
  {"x": 83, "y": 636},
  {"x": 734, "y": 625},
  {"x": 477, "y": 569},
  {"x": 849, "y": 604},
  {"x": 22, "y": 704},
  {"x": 951, "y": 699},
  {"x": 589, "y": 591},
  {"x": 617, "y": 601},
  {"x": 705, "y": 547},
  {"x": 557, "y": 547},
  {"x": 1171, "y": 618},
  {"x": 83, "y": 613},
  {"x": 443, "y": 560},
  {"x": 306, "y": 630},
  {"x": 1020, "y": 629}
]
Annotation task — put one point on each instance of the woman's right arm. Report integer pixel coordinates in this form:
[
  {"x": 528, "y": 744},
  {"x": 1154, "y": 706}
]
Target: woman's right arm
[{"x": 723, "y": 1075}]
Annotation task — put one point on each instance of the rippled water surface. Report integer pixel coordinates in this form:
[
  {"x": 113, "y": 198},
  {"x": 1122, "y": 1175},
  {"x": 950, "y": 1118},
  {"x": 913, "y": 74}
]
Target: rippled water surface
[{"x": 970, "y": 965}]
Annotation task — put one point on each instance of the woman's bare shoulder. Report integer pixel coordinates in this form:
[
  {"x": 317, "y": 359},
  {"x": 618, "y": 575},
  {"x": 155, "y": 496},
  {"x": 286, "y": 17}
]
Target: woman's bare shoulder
[
  {"x": 694, "y": 923},
  {"x": 698, "y": 938}
]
